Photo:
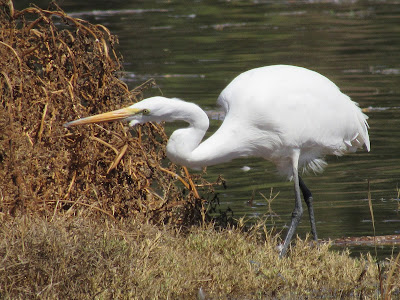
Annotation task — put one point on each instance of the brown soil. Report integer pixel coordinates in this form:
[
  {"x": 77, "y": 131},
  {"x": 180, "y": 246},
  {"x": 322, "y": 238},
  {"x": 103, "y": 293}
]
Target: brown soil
[{"x": 55, "y": 69}]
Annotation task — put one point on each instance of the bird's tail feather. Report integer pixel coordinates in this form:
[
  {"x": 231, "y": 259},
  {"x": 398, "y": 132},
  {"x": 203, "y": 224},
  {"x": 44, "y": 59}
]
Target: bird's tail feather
[{"x": 363, "y": 137}]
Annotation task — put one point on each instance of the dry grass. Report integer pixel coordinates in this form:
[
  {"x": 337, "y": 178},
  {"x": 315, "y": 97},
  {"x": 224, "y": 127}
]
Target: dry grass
[{"x": 77, "y": 258}]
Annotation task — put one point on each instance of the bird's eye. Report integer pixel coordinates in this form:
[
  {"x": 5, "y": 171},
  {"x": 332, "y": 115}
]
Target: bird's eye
[{"x": 145, "y": 111}]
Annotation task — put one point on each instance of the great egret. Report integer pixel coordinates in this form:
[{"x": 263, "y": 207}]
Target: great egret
[{"x": 288, "y": 115}]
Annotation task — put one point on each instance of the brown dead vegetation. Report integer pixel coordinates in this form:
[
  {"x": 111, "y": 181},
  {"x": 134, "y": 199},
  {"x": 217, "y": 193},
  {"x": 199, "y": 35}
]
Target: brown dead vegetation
[{"x": 54, "y": 69}]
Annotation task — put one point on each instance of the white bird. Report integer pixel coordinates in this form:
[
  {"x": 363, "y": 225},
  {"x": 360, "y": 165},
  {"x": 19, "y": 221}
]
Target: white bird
[{"x": 288, "y": 115}]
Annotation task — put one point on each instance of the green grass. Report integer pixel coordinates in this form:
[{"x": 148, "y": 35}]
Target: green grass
[{"x": 78, "y": 258}]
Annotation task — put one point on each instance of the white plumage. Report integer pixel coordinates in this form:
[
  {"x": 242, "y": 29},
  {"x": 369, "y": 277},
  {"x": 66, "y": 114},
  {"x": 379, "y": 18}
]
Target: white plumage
[
  {"x": 272, "y": 110},
  {"x": 288, "y": 115}
]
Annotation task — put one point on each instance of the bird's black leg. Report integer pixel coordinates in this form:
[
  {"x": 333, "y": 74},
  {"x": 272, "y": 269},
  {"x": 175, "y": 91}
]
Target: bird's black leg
[
  {"x": 309, "y": 201},
  {"x": 296, "y": 214}
]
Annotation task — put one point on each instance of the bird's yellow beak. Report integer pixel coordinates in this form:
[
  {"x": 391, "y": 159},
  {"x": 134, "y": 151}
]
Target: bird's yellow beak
[{"x": 114, "y": 115}]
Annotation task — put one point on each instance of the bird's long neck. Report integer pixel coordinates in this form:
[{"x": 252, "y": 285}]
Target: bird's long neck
[
  {"x": 185, "y": 148},
  {"x": 183, "y": 141}
]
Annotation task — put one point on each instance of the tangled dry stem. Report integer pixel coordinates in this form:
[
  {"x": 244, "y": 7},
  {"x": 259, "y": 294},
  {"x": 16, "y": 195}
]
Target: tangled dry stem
[{"x": 56, "y": 68}]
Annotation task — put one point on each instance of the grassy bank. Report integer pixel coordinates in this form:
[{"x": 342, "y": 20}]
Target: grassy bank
[{"x": 78, "y": 258}]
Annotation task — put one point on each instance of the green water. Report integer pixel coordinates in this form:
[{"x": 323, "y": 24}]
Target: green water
[{"x": 194, "y": 48}]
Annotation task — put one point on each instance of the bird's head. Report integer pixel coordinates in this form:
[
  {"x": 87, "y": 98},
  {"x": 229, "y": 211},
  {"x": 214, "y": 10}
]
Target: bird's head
[{"x": 155, "y": 109}]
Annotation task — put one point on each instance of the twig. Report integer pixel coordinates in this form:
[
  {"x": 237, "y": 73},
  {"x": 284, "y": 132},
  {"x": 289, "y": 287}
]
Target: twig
[
  {"x": 29, "y": 138},
  {"x": 70, "y": 185},
  {"x": 54, "y": 211},
  {"x": 269, "y": 201},
  {"x": 83, "y": 204},
  {"x": 192, "y": 186},
  {"x": 71, "y": 54},
  {"x": 176, "y": 176},
  {"x": 139, "y": 89},
  {"x": 372, "y": 216},
  {"x": 15, "y": 53},
  {"x": 8, "y": 83},
  {"x": 118, "y": 158},
  {"x": 42, "y": 122},
  {"x": 105, "y": 144},
  {"x": 11, "y": 7},
  {"x": 375, "y": 245}
]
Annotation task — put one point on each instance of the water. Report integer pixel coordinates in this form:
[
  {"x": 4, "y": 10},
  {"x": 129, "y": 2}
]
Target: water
[{"x": 194, "y": 51}]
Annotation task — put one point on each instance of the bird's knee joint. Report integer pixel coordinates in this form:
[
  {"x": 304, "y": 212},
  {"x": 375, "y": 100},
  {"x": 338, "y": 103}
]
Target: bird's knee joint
[
  {"x": 297, "y": 213},
  {"x": 308, "y": 199}
]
